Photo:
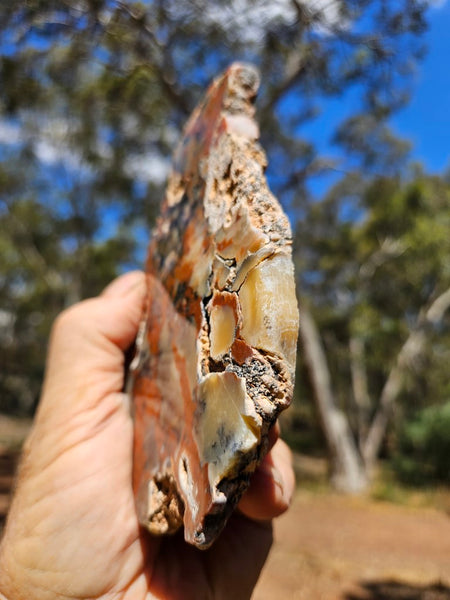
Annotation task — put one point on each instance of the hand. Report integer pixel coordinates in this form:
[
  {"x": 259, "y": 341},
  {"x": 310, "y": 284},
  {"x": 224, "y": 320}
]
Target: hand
[{"x": 72, "y": 531}]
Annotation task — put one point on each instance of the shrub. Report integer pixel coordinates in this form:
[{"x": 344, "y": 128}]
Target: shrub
[{"x": 423, "y": 454}]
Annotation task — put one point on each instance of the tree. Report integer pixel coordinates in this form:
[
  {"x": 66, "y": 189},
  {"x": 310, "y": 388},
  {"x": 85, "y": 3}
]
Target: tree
[
  {"x": 94, "y": 94},
  {"x": 381, "y": 288},
  {"x": 40, "y": 274}
]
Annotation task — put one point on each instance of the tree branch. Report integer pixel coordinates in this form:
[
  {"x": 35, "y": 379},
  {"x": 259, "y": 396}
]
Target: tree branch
[
  {"x": 161, "y": 62},
  {"x": 409, "y": 353},
  {"x": 359, "y": 385},
  {"x": 290, "y": 79},
  {"x": 389, "y": 248}
]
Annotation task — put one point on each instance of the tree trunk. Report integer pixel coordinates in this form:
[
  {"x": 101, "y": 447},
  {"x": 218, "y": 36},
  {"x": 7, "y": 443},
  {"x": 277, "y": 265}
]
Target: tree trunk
[
  {"x": 360, "y": 387},
  {"x": 347, "y": 469},
  {"x": 411, "y": 350}
]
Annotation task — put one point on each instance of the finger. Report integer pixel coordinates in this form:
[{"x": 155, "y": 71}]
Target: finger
[
  {"x": 124, "y": 284},
  {"x": 114, "y": 316},
  {"x": 273, "y": 436},
  {"x": 86, "y": 352},
  {"x": 272, "y": 485},
  {"x": 126, "y": 294}
]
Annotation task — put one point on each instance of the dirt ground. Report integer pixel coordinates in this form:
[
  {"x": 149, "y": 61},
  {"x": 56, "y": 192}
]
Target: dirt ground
[{"x": 331, "y": 547}]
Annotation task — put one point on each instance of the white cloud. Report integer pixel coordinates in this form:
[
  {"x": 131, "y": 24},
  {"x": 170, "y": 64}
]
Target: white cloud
[
  {"x": 50, "y": 146},
  {"x": 48, "y": 143},
  {"x": 247, "y": 20},
  {"x": 148, "y": 167},
  {"x": 327, "y": 11},
  {"x": 9, "y": 133}
]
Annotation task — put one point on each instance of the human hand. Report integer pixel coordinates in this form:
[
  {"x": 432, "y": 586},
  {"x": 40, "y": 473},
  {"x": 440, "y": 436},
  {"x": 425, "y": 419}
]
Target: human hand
[{"x": 72, "y": 531}]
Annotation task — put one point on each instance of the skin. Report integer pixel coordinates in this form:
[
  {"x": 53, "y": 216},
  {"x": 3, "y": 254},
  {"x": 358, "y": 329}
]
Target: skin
[{"x": 72, "y": 530}]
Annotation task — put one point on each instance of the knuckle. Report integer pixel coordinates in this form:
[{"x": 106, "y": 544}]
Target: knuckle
[{"x": 71, "y": 317}]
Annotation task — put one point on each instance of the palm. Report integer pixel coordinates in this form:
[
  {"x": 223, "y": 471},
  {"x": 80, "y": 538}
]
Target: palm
[
  {"x": 96, "y": 524},
  {"x": 72, "y": 529}
]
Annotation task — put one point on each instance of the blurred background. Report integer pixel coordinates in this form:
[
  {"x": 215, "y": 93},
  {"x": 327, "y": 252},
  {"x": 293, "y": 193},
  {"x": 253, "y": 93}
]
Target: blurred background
[{"x": 355, "y": 120}]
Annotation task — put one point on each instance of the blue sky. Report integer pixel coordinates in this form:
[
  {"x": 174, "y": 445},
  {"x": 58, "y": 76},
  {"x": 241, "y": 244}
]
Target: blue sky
[{"x": 426, "y": 120}]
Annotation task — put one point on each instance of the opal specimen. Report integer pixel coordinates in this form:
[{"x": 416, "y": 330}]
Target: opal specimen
[{"x": 216, "y": 350}]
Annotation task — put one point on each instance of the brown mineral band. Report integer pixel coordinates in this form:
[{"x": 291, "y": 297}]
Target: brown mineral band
[{"x": 216, "y": 351}]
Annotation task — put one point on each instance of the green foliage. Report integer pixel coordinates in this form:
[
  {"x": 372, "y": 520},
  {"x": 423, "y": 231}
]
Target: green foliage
[
  {"x": 49, "y": 260},
  {"x": 372, "y": 278},
  {"x": 423, "y": 451},
  {"x": 95, "y": 93}
]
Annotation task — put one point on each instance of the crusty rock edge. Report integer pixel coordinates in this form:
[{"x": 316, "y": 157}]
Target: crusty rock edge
[{"x": 221, "y": 256}]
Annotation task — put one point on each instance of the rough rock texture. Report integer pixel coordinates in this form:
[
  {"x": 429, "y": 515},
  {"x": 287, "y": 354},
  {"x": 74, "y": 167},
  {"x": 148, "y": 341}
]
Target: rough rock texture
[{"x": 216, "y": 350}]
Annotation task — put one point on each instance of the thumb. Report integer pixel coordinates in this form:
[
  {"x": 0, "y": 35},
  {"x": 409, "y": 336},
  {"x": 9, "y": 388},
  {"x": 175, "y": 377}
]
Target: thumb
[{"x": 86, "y": 353}]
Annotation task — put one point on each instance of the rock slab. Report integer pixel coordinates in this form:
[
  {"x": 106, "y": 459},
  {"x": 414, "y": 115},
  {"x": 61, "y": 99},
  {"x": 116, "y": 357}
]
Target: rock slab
[{"x": 216, "y": 349}]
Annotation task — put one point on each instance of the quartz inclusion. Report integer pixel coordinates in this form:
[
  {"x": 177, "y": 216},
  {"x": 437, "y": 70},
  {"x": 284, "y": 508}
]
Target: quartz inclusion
[{"x": 216, "y": 350}]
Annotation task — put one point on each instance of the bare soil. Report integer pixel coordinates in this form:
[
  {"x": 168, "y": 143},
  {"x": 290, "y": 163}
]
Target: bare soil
[
  {"x": 334, "y": 547},
  {"x": 327, "y": 547}
]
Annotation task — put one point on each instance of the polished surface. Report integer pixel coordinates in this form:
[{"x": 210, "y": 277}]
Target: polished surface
[{"x": 216, "y": 351}]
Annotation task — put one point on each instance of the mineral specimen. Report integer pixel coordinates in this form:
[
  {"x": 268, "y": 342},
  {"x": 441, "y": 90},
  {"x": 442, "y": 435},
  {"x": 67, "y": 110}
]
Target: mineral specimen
[{"x": 216, "y": 350}]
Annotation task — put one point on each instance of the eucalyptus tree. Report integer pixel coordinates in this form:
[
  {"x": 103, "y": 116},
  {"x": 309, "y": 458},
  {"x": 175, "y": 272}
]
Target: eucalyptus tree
[
  {"x": 95, "y": 92},
  {"x": 378, "y": 345}
]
